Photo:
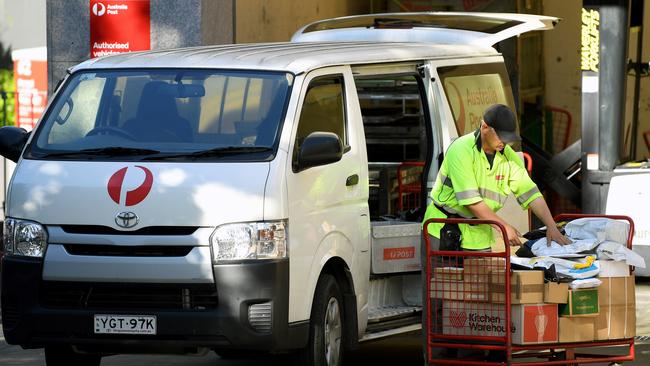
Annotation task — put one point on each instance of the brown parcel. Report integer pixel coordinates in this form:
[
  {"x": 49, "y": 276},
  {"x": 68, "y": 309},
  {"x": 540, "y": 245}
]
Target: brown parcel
[
  {"x": 446, "y": 289},
  {"x": 556, "y": 293},
  {"x": 617, "y": 318},
  {"x": 476, "y": 276},
  {"x": 526, "y": 287},
  {"x": 448, "y": 273},
  {"x": 576, "y": 329}
]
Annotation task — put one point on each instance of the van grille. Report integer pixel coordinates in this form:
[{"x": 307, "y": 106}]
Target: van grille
[
  {"x": 149, "y": 230},
  {"x": 128, "y": 251},
  {"x": 125, "y": 296}
]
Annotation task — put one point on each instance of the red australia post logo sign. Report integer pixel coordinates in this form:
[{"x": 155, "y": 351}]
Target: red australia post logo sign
[
  {"x": 132, "y": 195},
  {"x": 119, "y": 26},
  {"x": 399, "y": 253}
]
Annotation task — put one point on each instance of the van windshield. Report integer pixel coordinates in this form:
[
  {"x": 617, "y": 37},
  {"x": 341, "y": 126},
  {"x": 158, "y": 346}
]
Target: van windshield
[{"x": 162, "y": 115}]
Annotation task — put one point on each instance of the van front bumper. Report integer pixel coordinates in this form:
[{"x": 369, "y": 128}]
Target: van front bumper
[{"x": 33, "y": 320}]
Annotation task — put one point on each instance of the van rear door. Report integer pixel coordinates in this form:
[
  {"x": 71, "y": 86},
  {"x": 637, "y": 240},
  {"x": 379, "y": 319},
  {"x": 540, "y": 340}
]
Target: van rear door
[{"x": 481, "y": 29}]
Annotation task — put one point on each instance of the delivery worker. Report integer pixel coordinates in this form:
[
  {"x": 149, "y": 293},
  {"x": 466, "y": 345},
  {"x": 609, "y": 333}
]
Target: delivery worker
[{"x": 478, "y": 173}]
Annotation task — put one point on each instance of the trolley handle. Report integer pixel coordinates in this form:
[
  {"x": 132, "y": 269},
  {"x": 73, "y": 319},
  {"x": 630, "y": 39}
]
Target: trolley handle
[
  {"x": 569, "y": 217},
  {"x": 425, "y": 232}
]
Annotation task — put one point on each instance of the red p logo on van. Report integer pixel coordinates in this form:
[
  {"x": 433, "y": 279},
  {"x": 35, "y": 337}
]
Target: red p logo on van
[{"x": 135, "y": 196}]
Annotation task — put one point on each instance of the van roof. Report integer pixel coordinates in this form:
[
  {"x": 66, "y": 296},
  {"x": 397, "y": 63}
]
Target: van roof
[{"x": 293, "y": 57}]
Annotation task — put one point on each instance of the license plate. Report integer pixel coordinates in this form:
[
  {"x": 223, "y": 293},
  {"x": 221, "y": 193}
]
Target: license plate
[{"x": 125, "y": 324}]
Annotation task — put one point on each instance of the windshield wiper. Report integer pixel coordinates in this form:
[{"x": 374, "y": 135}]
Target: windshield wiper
[
  {"x": 218, "y": 151},
  {"x": 103, "y": 151}
]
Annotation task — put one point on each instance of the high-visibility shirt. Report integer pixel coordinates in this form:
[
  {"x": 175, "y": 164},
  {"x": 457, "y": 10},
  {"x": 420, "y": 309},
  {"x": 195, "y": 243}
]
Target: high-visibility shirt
[{"x": 466, "y": 177}]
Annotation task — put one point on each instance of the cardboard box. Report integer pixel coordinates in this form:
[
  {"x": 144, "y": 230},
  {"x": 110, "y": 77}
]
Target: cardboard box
[
  {"x": 617, "y": 317},
  {"x": 556, "y": 293},
  {"x": 526, "y": 287},
  {"x": 447, "y": 290},
  {"x": 581, "y": 302},
  {"x": 535, "y": 323},
  {"x": 612, "y": 269},
  {"x": 483, "y": 265},
  {"x": 578, "y": 329},
  {"x": 476, "y": 275},
  {"x": 531, "y": 323},
  {"x": 448, "y": 273}
]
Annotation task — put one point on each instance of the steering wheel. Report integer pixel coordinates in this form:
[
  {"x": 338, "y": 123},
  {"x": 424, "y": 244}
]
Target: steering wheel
[{"x": 110, "y": 130}]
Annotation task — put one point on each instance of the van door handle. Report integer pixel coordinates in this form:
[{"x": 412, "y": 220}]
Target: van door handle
[{"x": 352, "y": 180}]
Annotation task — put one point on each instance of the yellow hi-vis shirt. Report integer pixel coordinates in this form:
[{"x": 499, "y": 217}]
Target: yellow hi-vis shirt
[{"x": 465, "y": 178}]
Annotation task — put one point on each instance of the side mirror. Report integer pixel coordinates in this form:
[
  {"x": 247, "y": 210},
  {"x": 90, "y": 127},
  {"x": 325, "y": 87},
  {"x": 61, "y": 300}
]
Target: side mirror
[
  {"x": 318, "y": 148},
  {"x": 12, "y": 142}
]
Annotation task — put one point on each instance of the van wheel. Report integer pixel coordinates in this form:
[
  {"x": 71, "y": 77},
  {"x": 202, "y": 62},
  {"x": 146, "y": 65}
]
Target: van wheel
[
  {"x": 325, "y": 347},
  {"x": 62, "y": 355}
]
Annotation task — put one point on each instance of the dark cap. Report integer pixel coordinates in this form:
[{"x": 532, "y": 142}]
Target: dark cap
[{"x": 504, "y": 122}]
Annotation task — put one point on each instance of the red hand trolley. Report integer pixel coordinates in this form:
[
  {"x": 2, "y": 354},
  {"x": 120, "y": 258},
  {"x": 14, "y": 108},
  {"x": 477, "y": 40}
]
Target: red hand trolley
[{"x": 466, "y": 312}]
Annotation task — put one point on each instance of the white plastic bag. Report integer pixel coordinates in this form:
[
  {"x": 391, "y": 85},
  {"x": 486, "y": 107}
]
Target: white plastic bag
[
  {"x": 619, "y": 252},
  {"x": 540, "y": 247},
  {"x": 585, "y": 283},
  {"x": 599, "y": 228}
]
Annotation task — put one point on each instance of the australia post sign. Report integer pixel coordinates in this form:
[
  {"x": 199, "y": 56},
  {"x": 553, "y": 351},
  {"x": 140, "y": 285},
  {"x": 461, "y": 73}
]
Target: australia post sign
[
  {"x": 119, "y": 26},
  {"x": 30, "y": 75}
]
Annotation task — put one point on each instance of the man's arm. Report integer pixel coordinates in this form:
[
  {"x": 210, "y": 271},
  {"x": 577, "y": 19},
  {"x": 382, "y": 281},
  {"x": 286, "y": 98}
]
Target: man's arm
[
  {"x": 540, "y": 209},
  {"x": 482, "y": 211}
]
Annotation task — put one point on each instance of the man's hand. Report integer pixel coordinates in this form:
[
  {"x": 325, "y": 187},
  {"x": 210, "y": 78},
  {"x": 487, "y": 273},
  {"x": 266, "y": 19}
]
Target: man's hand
[
  {"x": 513, "y": 235},
  {"x": 553, "y": 234}
]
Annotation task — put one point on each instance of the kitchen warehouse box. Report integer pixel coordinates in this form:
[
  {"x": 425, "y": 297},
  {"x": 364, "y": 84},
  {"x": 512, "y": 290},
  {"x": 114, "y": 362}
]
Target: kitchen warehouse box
[{"x": 531, "y": 323}]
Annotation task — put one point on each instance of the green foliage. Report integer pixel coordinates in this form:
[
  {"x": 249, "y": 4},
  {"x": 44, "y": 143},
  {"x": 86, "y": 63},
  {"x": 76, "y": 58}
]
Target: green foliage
[{"x": 7, "y": 97}]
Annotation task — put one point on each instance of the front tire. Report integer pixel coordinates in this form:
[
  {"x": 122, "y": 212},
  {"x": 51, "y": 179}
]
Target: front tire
[
  {"x": 62, "y": 355},
  {"x": 326, "y": 335}
]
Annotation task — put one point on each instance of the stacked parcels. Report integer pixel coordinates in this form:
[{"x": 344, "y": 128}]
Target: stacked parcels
[
  {"x": 447, "y": 283},
  {"x": 475, "y": 304}
]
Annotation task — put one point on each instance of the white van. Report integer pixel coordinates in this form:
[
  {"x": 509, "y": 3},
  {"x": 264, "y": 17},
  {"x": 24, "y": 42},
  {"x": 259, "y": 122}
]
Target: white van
[{"x": 242, "y": 197}]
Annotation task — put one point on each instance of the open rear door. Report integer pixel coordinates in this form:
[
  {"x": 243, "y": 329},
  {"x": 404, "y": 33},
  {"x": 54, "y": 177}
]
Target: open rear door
[{"x": 481, "y": 29}]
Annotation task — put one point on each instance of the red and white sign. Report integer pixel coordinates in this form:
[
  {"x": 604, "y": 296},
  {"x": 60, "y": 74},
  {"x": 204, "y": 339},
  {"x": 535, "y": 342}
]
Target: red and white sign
[
  {"x": 30, "y": 77},
  {"x": 119, "y": 26},
  {"x": 391, "y": 254},
  {"x": 132, "y": 196}
]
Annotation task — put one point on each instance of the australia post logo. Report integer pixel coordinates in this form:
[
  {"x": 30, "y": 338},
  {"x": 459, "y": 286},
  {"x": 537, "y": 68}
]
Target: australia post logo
[
  {"x": 132, "y": 190},
  {"x": 99, "y": 9}
]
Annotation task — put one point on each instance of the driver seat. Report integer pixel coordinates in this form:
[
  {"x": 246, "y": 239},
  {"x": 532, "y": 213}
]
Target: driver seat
[{"x": 157, "y": 117}]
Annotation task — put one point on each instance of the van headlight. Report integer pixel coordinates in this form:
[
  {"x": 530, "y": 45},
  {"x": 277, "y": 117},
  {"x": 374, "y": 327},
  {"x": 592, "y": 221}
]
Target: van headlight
[
  {"x": 25, "y": 238},
  {"x": 254, "y": 240}
]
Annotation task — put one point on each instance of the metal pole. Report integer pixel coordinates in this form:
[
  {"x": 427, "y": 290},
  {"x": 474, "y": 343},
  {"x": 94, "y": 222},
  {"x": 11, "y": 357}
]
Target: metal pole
[
  {"x": 637, "y": 87},
  {"x": 613, "y": 55}
]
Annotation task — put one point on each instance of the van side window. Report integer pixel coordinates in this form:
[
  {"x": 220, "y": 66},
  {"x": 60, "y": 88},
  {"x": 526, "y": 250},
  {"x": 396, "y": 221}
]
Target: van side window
[{"x": 323, "y": 109}]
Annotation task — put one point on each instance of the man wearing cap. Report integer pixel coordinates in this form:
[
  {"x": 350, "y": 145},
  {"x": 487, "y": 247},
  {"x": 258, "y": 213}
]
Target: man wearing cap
[{"x": 478, "y": 173}]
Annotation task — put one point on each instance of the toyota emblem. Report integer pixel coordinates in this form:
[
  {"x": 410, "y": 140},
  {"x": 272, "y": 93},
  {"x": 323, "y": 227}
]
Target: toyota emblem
[{"x": 127, "y": 219}]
